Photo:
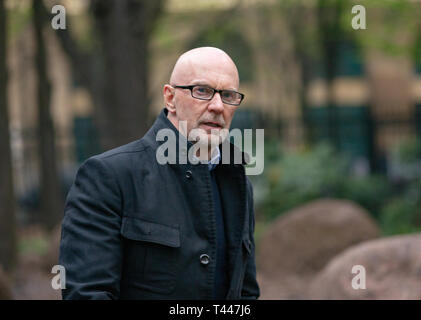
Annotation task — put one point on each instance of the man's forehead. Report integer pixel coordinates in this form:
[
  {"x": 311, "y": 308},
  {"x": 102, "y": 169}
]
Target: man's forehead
[{"x": 209, "y": 64}]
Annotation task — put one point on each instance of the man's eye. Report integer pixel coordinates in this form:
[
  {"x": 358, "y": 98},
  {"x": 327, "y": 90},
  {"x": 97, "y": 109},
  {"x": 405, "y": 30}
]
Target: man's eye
[
  {"x": 203, "y": 90},
  {"x": 227, "y": 95}
]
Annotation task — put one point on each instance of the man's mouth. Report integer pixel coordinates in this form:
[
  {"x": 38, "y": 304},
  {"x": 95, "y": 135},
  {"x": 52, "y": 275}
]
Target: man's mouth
[{"x": 212, "y": 124}]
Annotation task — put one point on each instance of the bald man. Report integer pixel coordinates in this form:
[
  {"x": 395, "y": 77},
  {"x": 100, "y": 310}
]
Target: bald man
[{"x": 169, "y": 216}]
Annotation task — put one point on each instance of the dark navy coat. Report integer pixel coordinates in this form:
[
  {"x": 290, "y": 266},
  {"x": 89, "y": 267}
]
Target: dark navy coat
[{"x": 136, "y": 229}]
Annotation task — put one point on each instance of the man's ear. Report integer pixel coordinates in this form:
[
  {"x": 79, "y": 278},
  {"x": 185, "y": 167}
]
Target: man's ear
[{"x": 169, "y": 96}]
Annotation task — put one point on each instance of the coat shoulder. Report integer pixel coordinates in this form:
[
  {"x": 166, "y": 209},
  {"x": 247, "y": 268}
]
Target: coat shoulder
[
  {"x": 128, "y": 156},
  {"x": 137, "y": 146}
]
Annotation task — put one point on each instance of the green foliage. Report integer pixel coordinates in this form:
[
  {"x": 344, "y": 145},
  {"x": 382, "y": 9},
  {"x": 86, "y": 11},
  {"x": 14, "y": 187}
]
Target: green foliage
[
  {"x": 387, "y": 20},
  {"x": 164, "y": 34},
  {"x": 18, "y": 17},
  {"x": 370, "y": 192},
  {"x": 403, "y": 213},
  {"x": 405, "y": 161},
  {"x": 301, "y": 176},
  {"x": 273, "y": 150},
  {"x": 408, "y": 152},
  {"x": 399, "y": 217},
  {"x": 34, "y": 245},
  {"x": 416, "y": 52}
]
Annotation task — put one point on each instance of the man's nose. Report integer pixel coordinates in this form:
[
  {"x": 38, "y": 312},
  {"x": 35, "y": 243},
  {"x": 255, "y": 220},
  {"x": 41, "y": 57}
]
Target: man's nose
[{"x": 216, "y": 103}]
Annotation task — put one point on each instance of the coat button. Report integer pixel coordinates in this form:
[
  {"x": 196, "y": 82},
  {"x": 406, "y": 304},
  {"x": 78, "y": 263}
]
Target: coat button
[
  {"x": 188, "y": 174},
  {"x": 204, "y": 259}
]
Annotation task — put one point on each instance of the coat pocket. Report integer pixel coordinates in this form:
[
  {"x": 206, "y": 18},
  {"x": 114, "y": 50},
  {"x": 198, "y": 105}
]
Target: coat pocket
[{"x": 151, "y": 254}]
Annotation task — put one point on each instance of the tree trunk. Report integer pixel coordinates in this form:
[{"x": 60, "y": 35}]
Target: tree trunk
[
  {"x": 124, "y": 28},
  {"x": 7, "y": 197},
  {"x": 331, "y": 32},
  {"x": 116, "y": 73},
  {"x": 50, "y": 193}
]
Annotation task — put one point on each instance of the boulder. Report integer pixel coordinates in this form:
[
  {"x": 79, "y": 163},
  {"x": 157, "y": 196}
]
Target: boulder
[
  {"x": 391, "y": 267},
  {"x": 303, "y": 240},
  {"x": 298, "y": 244}
]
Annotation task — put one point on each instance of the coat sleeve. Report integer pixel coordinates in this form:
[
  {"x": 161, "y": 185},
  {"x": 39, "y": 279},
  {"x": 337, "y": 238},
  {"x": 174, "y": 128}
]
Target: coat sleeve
[
  {"x": 250, "y": 288},
  {"x": 90, "y": 247}
]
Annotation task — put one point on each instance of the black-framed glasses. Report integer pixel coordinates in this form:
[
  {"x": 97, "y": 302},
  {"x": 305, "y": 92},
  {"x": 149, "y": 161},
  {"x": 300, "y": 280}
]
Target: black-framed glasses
[{"x": 206, "y": 93}]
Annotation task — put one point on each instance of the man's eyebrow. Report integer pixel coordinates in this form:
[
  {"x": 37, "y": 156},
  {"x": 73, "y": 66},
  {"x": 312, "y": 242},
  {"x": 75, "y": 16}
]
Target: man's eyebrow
[{"x": 204, "y": 83}]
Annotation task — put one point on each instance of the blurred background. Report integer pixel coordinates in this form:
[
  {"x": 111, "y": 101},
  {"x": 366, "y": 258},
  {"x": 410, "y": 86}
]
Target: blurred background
[{"x": 341, "y": 110}]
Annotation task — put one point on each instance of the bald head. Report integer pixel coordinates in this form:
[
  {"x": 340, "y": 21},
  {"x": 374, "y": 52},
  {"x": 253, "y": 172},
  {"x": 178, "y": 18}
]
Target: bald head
[
  {"x": 211, "y": 118},
  {"x": 194, "y": 64}
]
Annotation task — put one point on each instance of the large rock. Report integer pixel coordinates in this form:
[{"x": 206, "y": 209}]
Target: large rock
[
  {"x": 392, "y": 271},
  {"x": 303, "y": 240},
  {"x": 5, "y": 289}
]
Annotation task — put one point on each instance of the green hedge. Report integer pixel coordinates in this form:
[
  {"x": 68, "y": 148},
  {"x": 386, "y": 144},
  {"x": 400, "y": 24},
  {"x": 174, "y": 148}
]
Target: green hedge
[{"x": 294, "y": 178}]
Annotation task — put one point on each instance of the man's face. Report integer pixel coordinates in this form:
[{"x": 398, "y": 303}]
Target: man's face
[{"x": 208, "y": 115}]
